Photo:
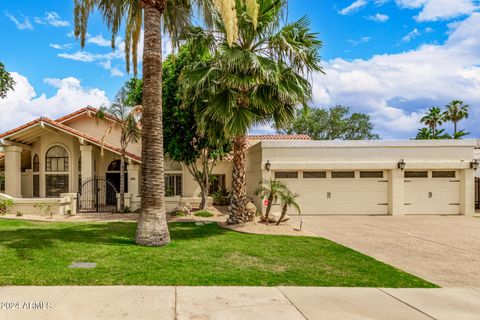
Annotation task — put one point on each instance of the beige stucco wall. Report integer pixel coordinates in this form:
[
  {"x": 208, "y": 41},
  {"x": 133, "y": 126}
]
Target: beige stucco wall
[
  {"x": 191, "y": 188},
  {"x": 97, "y": 128}
]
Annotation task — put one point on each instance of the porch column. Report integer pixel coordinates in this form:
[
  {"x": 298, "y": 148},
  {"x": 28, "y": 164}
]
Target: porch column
[
  {"x": 133, "y": 179},
  {"x": 87, "y": 162},
  {"x": 467, "y": 192},
  {"x": 13, "y": 171},
  {"x": 396, "y": 192}
]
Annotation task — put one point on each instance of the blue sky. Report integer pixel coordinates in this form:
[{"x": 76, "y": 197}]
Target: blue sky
[{"x": 389, "y": 58}]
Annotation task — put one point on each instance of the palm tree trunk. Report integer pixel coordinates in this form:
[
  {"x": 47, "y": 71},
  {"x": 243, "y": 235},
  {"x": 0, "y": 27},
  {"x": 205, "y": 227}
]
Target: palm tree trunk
[
  {"x": 284, "y": 212},
  {"x": 152, "y": 227},
  {"x": 237, "y": 209},
  {"x": 269, "y": 207},
  {"x": 454, "y": 128},
  {"x": 122, "y": 181}
]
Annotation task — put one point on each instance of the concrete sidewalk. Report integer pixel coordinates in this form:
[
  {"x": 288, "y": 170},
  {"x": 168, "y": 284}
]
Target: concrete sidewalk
[{"x": 229, "y": 303}]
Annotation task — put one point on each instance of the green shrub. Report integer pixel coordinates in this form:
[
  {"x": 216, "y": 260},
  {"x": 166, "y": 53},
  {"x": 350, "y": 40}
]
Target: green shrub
[
  {"x": 178, "y": 214},
  {"x": 19, "y": 214},
  {"x": 4, "y": 205},
  {"x": 203, "y": 213},
  {"x": 221, "y": 197}
]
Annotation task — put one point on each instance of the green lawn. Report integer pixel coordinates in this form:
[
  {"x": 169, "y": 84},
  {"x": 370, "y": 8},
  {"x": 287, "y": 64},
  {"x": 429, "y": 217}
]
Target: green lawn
[{"x": 39, "y": 254}]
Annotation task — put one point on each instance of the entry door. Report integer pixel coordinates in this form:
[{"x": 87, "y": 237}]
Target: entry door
[{"x": 432, "y": 192}]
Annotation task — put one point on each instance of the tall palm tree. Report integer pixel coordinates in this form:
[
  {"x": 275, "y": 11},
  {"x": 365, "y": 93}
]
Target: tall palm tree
[
  {"x": 172, "y": 16},
  {"x": 272, "y": 189},
  {"x": 433, "y": 118},
  {"x": 259, "y": 78},
  {"x": 456, "y": 111},
  {"x": 289, "y": 199},
  {"x": 125, "y": 118}
]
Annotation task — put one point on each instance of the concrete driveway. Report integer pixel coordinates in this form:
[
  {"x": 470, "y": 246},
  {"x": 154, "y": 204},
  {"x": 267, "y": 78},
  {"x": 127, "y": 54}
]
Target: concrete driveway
[{"x": 444, "y": 250}]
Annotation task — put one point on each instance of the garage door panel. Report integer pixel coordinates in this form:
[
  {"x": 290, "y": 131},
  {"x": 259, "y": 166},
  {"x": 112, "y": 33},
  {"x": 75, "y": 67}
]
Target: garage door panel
[{"x": 432, "y": 196}]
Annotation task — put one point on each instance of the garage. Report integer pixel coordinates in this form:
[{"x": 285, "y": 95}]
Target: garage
[
  {"x": 432, "y": 192},
  {"x": 339, "y": 192}
]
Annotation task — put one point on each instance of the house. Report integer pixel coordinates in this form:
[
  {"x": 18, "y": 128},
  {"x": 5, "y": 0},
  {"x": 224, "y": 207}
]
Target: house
[{"x": 70, "y": 164}]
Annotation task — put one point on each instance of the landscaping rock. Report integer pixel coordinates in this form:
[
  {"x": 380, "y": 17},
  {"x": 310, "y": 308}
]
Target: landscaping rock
[
  {"x": 274, "y": 216},
  {"x": 251, "y": 209},
  {"x": 184, "y": 207}
]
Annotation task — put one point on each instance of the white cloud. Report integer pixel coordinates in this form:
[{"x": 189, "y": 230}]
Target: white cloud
[
  {"x": 354, "y": 7},
  {"x": 83, "y": 56},
  {"x": 57, "y": 46},
  {"x": 411, "y": 35},
  {"x": 360, "y": 41},
  {"x": 433, "y": 10},
  {"x": 395, "y": 89},
  {"x": 99, "y": 40},
  {"x": 21, "y": 25},
  {"x": 23, "y": 104},
  {"x": 53, "y": 19},
  {"x": 379, "y": 17}
]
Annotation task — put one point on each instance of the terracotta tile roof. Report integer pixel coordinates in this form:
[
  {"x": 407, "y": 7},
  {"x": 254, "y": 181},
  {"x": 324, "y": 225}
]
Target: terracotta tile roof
[
  {"x": 81, "y": 111},
  {"x": 278, "y": 137},
  {"x": 72, "y": 131}
]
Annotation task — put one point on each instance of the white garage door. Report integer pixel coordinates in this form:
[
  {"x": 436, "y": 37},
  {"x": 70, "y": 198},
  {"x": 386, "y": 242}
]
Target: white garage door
[
  {"x": 432, "y": 192},
  {"x": 339, "y": 192}
]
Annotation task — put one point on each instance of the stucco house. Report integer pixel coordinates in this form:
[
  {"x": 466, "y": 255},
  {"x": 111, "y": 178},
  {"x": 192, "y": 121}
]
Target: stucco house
[{"x": 62, "y": 163}]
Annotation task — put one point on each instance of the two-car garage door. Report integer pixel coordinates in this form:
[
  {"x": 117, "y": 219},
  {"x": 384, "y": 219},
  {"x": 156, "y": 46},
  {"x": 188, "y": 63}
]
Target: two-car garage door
[
  {"x": 366, "y": 192},
  {"x": 339, "y": 192}
]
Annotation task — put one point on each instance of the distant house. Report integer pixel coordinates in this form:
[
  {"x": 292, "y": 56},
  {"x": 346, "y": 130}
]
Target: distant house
[{"x": 61, "y": 162}]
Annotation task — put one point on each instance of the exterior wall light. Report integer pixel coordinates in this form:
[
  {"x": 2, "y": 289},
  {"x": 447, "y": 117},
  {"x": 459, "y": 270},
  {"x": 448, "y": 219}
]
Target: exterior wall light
[
  {"x": 401, "y": 164},
  {"x": 474, "y": 164},
  {"x": 268, "y": 165}
]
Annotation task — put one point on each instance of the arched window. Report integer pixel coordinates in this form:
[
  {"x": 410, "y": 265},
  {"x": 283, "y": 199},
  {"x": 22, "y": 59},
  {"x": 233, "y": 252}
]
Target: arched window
[
  {"x": 56, "y": 159},
  {"x": 115, "y": 166},
  {"x": 56, "y": 167},
  {"x": 36, "y": 163}
]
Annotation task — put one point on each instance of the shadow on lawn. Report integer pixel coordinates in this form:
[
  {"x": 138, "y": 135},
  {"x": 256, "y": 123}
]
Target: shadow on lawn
[{"x": 46, "y": 235}]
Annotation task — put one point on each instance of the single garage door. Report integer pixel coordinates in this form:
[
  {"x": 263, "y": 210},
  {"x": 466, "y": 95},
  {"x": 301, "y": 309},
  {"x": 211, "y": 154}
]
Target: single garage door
[
  {"x": 339, "y": 192},
  {"x": 432, "y": 192}
]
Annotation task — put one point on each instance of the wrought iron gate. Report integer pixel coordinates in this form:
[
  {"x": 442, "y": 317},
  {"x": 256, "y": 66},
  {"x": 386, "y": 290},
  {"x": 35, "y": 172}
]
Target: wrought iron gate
[{"x": 97, "y": 195}]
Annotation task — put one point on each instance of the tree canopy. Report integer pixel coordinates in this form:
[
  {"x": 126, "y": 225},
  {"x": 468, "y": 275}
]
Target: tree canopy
[
  {"x": 331, "y": 124},
  {"x": 6, "y": 81}
]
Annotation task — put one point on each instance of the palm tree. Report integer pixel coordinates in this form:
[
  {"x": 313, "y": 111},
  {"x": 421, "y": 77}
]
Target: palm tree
[
  {"x": 260, "y": 78},
  {"x": 456, "y": 111},
  {"x": 288, "y": 200},
  {"x": 125, "y": 117},
  {"x": 433, "y": 118},
  {"x": 271, "y": 189},
  {"x": 424, "y": 134},
  {"x": 172, "y": 16}
]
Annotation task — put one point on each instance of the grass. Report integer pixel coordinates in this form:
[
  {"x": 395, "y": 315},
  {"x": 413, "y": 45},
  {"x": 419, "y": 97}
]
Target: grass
[
  {"x": 203, "y": 213},
  {"x": 36, "y": 253},
  {"x": 177, "y": 214}
]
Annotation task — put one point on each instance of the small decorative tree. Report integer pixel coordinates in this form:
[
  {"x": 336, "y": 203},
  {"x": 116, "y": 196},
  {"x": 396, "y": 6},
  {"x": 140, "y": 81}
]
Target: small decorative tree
[
  {"x": 288, "y": 199},
  {"x": 272, "y": 190}
]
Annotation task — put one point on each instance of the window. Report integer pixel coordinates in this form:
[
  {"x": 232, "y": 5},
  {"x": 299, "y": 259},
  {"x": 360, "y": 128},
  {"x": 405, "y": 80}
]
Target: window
[
  {"x": 173, "y": 185},
  {"x": 115, "y": 166},
  {"x": 57, "y": 160},
  {"x": 343, "y": 174},
  {"x": 36, "y": 186},
  {"x": 416, "y": 174},
  {"x": 217, "y": 182},
  {"x": 371, "y": 174},
  {"x": 443, "y": 174},
  {"x": 56, "y": 184},
  {"x": 314, "y": 175},
  {"x": 36, "y": 163},
  {"x": 286, "y": 175}
]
